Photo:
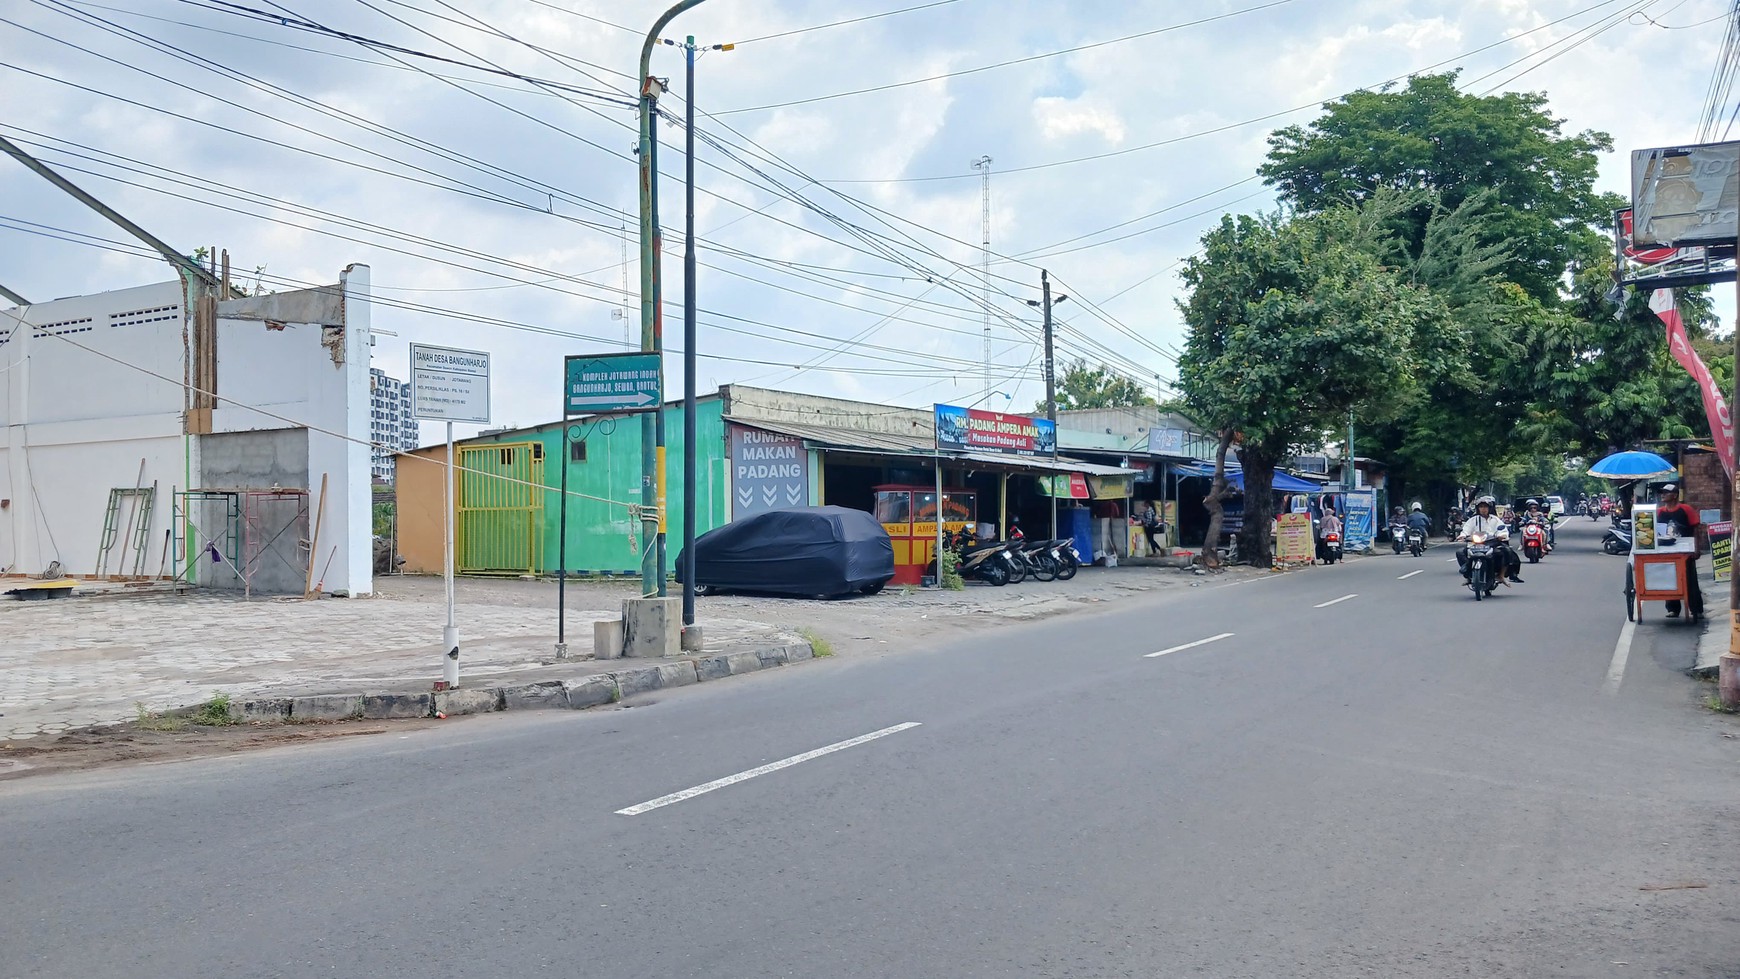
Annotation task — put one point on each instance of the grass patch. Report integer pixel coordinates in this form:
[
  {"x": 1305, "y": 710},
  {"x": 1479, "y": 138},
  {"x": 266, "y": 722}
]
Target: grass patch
[
  {"x": 151, "y": 720},
  {"x": 1714, "y": 703},
  {"x": 214, "y": 712},
  {"x": 820, "y": 647},
  {"x": 950, "y": 570}
]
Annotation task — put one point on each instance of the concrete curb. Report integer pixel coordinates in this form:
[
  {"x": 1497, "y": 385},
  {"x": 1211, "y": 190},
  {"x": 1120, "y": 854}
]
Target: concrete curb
[
  {"x": 576, "y": 693},
  {"x": 1711, "y": 645}
]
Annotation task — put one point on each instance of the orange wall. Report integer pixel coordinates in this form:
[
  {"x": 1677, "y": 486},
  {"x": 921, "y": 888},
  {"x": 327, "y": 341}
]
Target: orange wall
[{"x": 421, "y": 528}]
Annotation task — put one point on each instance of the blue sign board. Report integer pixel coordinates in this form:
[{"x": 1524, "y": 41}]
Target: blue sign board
[
  {"x": 600, "y": 384},
  {"x": 1356, "y": 531}
]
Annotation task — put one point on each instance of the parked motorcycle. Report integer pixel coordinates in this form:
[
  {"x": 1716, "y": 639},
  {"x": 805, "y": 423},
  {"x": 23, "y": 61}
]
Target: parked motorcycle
[
  {"x": 1416, "y": 541},
  {"x": 1483, "y": 567},
  {"x": 1618, "y": 538},
  {"x": 1534, "y": 542},
  {"x": 987, "y": 562}
]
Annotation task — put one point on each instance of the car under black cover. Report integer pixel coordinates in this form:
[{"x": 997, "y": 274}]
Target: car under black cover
[{"x": 826, "y": 550}]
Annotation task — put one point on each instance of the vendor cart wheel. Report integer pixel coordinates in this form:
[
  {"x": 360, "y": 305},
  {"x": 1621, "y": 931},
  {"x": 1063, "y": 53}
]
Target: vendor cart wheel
[{"x": 1630, "y": 594}]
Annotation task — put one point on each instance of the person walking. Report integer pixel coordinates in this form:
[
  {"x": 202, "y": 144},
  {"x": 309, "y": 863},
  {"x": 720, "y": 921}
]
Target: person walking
[{"x": 1150, "y": 525}]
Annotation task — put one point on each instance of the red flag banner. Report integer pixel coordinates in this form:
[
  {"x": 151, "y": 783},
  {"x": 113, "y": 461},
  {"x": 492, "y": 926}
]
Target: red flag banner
[{"x": 1715, "y": 406}]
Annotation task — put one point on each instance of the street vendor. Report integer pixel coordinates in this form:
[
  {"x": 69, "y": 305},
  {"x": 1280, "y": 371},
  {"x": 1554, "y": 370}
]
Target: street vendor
[{"x": 1669, "y": 511}]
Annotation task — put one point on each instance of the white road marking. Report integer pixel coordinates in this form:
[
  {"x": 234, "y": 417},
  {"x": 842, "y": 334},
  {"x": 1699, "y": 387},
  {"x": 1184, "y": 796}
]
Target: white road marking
[
  {"x": 1334, "y": 601},
  {"x": 1189, "y": 645},
  {"x": 1621, "y": 653},
  {"x": 720, "y": 783},
  {"x": 1411, "y": 574}
]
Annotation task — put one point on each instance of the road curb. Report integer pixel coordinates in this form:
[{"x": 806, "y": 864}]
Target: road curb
[
  {"x": 1711, "y": 645},
  {"x": 574, "y": 693}
]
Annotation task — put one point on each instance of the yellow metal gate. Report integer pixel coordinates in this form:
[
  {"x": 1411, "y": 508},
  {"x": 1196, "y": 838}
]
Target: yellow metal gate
[{"x": 501, "y": 505}]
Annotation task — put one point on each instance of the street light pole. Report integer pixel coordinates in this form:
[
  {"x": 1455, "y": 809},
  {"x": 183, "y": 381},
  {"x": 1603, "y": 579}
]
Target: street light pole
[
  {"x": 652, "y": 566},
  {"x": 1050, "y": 383}
]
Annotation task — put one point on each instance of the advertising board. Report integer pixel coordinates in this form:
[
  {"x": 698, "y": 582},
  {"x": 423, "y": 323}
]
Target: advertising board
[
  {"x": 1683, "y": 196},
  {"x": 973, "y": 430}
]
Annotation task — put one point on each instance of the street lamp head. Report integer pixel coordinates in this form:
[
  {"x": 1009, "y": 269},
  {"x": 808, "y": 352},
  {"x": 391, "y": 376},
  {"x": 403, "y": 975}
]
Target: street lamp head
[{"x": 1058, "y": 299}]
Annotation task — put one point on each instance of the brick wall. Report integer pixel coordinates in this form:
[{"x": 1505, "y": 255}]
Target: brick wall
[{"x": 1706, "y": 487}]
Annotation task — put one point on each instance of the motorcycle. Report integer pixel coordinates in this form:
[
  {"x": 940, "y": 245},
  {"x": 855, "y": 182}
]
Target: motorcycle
[
  {"x": 1398, "y": 536},
  {"x": 1483, "y": 570},
  {"x": 1416, "y": 541},
  {"x": 1331, "y": 548},
  {"x": 988, "y": 562},
  {"x": 1618, "y": 538},
  {"x": 1534, "y": 542}
]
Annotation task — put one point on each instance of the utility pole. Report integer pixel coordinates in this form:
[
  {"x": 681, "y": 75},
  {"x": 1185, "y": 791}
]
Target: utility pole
[
  {"x": 652, "y": 332},
  {"x": 690, "y": 474},
  {"x": 1050, "y": 380},
  {"x": 983, "y": 165}
]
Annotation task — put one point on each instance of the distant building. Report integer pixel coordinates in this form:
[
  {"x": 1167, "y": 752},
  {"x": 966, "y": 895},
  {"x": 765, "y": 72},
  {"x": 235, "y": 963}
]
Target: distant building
[{"x": 392, "y": 429}]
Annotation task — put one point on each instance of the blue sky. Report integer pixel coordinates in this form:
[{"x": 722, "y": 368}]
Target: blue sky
[{"x": 489, "y": 217}]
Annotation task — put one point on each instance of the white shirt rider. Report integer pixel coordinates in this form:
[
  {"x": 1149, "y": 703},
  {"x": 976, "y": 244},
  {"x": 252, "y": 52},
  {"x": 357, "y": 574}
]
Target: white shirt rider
[{"x": 1488, "y": 525}]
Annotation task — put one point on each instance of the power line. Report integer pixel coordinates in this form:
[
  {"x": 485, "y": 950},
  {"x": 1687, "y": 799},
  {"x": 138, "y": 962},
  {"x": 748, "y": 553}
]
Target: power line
[{"x": 842, "y": 23}]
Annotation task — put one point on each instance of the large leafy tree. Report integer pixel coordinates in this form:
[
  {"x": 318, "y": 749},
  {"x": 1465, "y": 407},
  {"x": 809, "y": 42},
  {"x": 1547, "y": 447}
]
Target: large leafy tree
[
  {"x": 1431, "y": 136},
  {"x": 1291, "y": 324},
  {"x": 1081, "y": 385}
]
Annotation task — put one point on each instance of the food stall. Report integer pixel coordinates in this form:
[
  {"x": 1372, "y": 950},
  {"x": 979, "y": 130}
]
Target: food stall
[
  {"x": 1657, "y": 568},
  {"x": 909, "y": 514}
]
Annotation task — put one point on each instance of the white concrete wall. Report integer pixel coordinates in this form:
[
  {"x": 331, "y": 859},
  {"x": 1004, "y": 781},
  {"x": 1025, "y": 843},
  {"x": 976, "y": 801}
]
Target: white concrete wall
[{"x": 79, "y": 421}]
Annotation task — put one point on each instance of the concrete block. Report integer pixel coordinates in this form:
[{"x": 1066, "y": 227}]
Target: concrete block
[
  {"x": 638, "y": 680},
  {"x": 747, "y": 661},
  {"x": 272, "y": 711},
  {"x": 607, "y": 639},
  {"x": 712, "y": 667},
  {"x": 326, "y": 707},
  {"x": 692, "y": 639},
  {"x": 397, "y": 705},
  {"x": 591, "y": 691},
  {"x": 535, "y": 696},
  {"x": 468, "y": 700},
  {"x": 773, "y": 656},
  {"x": 799, "y": 651},
  {"x": 679, "y": 674},
  {"x": 652, "y": 627}
]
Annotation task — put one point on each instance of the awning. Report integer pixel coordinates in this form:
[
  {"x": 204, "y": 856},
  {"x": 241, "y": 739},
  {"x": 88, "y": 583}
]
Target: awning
[{"x": 1284, "y": 482}]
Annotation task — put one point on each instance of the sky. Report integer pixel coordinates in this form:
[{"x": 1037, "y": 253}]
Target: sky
[{"x": 837, "y": 206}]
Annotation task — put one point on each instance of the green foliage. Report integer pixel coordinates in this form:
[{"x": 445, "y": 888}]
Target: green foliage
[
  {"x": 383, "y": 519},
  {"x": 214, "y": 712},
  {"x": 1082, "y": 386},
  {"x": 151, "y": 720},
  {"x": 1431, "y": 136},
  {"x": 949, "y": 570},
  {"x": 820, "y": 648}
]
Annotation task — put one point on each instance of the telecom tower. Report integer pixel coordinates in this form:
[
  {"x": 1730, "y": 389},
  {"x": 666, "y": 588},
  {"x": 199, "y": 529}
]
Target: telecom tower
[
  {"x": 983, "y": 165},
  {"x": 621, "y": 312}
]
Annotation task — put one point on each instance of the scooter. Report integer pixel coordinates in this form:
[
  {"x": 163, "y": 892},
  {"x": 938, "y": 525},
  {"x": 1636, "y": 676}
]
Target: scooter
[
  {"x": 1416, "y": 541},
  {"x": 1618, "y": 538},
  {"x": 988, "y": 562},
  {"x": 1534, "y": 542},
  {"x": 1483, "y": 570},
  {"x": 1398, "y": 536},
  {"x": 1331, "y": 548}
]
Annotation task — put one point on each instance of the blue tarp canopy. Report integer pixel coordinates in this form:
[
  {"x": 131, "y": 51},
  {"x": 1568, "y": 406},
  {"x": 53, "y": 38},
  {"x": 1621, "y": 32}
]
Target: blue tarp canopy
[{"x": 1284, "y": 483}]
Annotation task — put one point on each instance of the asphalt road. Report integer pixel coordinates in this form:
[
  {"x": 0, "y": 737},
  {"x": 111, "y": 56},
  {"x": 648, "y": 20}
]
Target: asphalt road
[{"x": 1402, "y": 783}]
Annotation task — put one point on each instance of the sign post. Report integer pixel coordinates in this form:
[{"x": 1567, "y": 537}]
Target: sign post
[{"x": 449, "y": 385}]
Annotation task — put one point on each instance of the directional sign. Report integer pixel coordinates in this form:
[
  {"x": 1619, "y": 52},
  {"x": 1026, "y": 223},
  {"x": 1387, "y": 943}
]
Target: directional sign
[{"x": 599, "y": 384}]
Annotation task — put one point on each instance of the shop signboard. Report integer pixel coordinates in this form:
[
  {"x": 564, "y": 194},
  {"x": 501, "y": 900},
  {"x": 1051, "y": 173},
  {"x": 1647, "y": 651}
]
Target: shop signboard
[
  {"x": 1293, "y": 544},
  {"x": 1073, "y": 486},
  {"x": 769, "y": 471},
  {"x": 971, "y": 430},
  {"x": 1166, "y": 441},
  {"x": 1356, "y": 532},
  {"x": 1722, "y": 549}
]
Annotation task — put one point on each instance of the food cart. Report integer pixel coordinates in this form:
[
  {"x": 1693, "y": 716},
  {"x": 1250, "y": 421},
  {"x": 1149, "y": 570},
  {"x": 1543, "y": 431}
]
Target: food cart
[
  {"x": 1658, "y": 567},
  {"x": 909, "y": 514}
]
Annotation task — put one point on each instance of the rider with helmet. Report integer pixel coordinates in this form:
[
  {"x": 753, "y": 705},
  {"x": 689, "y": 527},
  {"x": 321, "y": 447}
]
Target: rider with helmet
[
  {"x": 1417, "y": 520},
  {"x": 1489, "y": 525},
  {"x": 1533, "y": 511}
]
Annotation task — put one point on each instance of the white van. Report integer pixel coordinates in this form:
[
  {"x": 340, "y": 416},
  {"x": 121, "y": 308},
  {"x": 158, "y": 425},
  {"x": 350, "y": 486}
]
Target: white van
[{"x": 1556, "y": 505}]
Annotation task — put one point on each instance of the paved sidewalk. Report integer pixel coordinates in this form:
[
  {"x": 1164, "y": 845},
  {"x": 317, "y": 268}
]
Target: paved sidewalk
[{"x": 75, "y": 662}]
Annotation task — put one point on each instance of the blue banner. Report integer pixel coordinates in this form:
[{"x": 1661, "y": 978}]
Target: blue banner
[{"x": 1356, "y": 534}]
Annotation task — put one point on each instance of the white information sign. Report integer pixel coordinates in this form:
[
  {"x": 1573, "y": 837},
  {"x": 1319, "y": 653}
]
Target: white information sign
[{"x": 449, "y": 385}]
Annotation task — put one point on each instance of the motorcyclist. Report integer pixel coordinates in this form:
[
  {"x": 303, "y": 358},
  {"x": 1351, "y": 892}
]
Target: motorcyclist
[
  {"x": 1486, "y": 523},
  {"x": 1532, "y": 511},
  {"x": 1417, "y": 520}
]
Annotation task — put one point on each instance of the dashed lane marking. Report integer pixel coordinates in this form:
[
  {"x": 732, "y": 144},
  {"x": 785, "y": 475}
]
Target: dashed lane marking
[
  {"x": 1335, "y": 601},
  {"x": 1189, "y": 645}
]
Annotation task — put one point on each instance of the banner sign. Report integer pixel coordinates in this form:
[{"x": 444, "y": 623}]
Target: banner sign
[
  {"x": 1722, "y": 550},
  {"x": 1356, "y": 530},
  {"x": 972, "y": 430},
  {"x": 1166, "y": 441},
  {"x": 449, "y": 385},
  {"x": 1071, "y": 487},
  {"x": 1715, "y": 406},
  {"x": 769, "y": 471},
  {"x": 1293, "y": 544}
]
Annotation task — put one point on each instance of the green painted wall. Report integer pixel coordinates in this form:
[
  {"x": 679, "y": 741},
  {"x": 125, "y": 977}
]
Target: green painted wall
[{"x": 599, "y": 533}]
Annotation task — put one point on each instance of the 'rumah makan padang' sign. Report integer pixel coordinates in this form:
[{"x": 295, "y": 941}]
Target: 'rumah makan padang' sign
[
  {"x": 972, "y": 430},
  {"x": 769, "y": 471}
]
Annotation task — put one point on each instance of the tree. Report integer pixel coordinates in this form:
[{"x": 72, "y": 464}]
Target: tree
[
  {"x": 1082, "y": 386},
  {"x": 1431, "y": 136},
  {"x": 1292, "y": 323}
]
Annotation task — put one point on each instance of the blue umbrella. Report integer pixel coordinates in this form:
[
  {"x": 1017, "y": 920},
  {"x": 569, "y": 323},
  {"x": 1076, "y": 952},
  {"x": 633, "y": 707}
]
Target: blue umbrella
[{"x": 1632, "y": 465}]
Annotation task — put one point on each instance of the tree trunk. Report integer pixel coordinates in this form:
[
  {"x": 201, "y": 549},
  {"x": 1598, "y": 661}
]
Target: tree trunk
[
  {"x": 1256, "y": 544},
  {"x": 1211, "y": 557}
]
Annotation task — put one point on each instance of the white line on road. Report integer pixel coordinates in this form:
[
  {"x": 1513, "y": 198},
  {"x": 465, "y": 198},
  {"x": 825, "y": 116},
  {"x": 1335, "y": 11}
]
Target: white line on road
[
  {"x": 1621, "y": 653},
  {"x": 1411, "y": 574},
  {"x": 1334, "y": 601},
  {"x": 1189, "y": 645},
  {"x": 720, "y": 783}
]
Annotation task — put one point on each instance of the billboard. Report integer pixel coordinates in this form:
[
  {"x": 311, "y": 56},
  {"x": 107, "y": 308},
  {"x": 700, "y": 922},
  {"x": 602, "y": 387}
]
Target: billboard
[
  {"x": 1667, "y": 268},
  {"x": 972, "y": 430},
  {"x": 1683, "y": 196}
]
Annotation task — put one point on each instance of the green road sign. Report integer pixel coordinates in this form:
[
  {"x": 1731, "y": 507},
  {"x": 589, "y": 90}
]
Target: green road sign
[{"x": 611, "y": 383}]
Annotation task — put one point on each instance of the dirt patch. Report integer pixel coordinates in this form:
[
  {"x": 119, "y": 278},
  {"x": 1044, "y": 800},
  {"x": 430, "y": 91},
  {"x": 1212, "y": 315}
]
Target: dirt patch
[{"x": 118, "y": 744}]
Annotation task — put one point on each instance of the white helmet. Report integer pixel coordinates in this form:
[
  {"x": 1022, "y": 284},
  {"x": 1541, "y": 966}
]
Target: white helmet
[{"x": 1416, "y": 507}]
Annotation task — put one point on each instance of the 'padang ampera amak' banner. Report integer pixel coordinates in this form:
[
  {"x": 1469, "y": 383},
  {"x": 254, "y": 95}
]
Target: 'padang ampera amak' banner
[{"x": 972, "y": 430}]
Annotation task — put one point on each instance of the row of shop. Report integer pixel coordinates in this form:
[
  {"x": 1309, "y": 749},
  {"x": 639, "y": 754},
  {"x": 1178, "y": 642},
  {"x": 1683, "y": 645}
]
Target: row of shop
[{"x": 760, "y": 449}]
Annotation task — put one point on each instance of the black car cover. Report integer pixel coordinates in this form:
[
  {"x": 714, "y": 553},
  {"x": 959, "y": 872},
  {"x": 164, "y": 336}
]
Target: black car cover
[{"x": 826, "y": 550}]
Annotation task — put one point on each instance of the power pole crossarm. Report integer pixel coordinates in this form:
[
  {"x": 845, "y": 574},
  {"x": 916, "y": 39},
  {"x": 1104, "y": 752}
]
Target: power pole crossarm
[{"x": 175, "y": 258}]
